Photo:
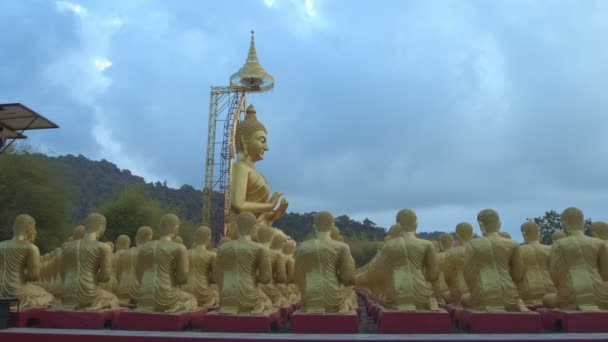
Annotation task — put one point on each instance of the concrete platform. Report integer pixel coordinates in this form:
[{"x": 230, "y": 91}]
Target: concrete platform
[
  {"x": 60, "y": 319},
  {"x": 156, "y": 321},
  {"x": 310, "y": 323},
  {"x": 216, "y": 322},
  {"x": 574, "y": 321},
  {"x": 413, "y": 322},
  {"x": 498, "y": 322},
  {"x": 25, "y": 318}
]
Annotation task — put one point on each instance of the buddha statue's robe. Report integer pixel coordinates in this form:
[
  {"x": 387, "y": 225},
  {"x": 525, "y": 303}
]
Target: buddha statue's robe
[
  {"x": 162, "y": 266},
  {"x": 453, "y": 274},
  {"x": 279, "y": 276},
  {"x": 288, "y": 289},
  {"x": 579, "y": 269},
  {"x": 404, "y": 271},
  {"x": 128, "y": 285},
  {"x": 365, "y": 279},
  {"x": 440, "y": 286},
  {"x": 242, "y": 266},
  {"x": 112, "y": 284},
  {"x": 201, "y": 275},
  {"x": 325, "y": 274},
  {"x": 85, "y": 264},
  {"x": 536, "y": 282},
  {"x": 491, "y": 264},
  {"x": 257, "y": 191},
  {"x": 19, "y": 265}
]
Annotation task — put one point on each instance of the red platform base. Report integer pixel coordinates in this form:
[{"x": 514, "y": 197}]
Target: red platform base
[
  {"x": 216, "y": 322},
  {"x": 306, "y": 323},
  {"x": 498, "y": 322},
  {"x": 414, "y": 322},
  {"x": 59, "y": 319},
  {"x": 156, "y": 321},
  {"x": 574, "y": 321},
  {"x": 25, "y": 318}
]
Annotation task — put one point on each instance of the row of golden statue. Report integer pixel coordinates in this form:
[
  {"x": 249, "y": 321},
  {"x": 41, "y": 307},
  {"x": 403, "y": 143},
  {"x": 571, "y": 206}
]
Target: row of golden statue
[{"x": 261, "y": 269}]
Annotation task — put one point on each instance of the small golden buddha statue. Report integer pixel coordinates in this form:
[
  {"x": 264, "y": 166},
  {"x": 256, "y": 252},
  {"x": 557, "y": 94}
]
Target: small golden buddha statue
[
  {"x": 406, "y": 268},
  {"x": 558, "y": 235},
  {"x": 202, "y": 268},
  {"x": 335, "y": 234},
  {"x": 279, "y": 266},
  {"x": 242, "y": 265},
  {"x": 492, "y": 265},
  {"x": 579, "y": 268},
  {"x": 454, "y": 264},
  {"x": 291, "y": 292},
  {"x": 265, "y": 238},
  {"x": 110, "y": 285},
  {"x": 178, "y": 239},
  {"x": 325, "y": 271},
  {"x": 77, "y": 233},
  {"x": 128, "y": 284},
  {"x": 599, "y": 229},
  {"x": 505, "y": 235},
  {"x": 84, "y": 264},
  {"x": 536, "y": 282},
  {"x": 393, "y": 232},
  {"x": 249, "y": 190},
  {"x": 161, "y": 267},
  {"x": 20, "y": 266},
  {"x": 442, "y": 292}
]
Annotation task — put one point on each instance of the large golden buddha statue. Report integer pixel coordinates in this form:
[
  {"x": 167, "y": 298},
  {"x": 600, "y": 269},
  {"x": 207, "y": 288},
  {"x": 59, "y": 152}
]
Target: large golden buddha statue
[
  {"x": 162, "y": 266},
  {"x": 202, "y": 268},
  {"x": 454, "y": 264},
  {"x": 20, "y": 266},
  {"x": 406, "y": 268},
  {"x": 242, "y": 265},
  {"x": 128, "y": 284},
  {"x": 536, "y": 282},
  {"x": 578, "y": 267},
  {"x": 266, "y": 238},
  {"x": 492, "y": 265},
  {"x": 325, "y": 271},
  {"x": 250, "y": 193},
  {"x": 86, "y": 263}
]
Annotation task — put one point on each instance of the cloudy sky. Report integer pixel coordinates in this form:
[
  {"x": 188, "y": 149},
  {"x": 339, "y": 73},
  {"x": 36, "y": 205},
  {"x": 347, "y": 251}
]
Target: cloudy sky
[{"x": 447, "y": 107}]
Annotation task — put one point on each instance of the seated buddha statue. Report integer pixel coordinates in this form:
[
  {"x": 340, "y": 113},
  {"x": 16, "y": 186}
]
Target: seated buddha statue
[
  {"x": 52, "y": 267},
  {"x": 599, "y": 229},
  {"x": 454, "y": 264},
  {"x": 558, "y": 235},
  {"x": 505, "y": 235},
  {"x": 77, "y": 233},
  {"x": 128, "y": 284},
  {"x": 442, "y": 292},
  {"x": 292, "y": 294},
  {"x": 202, "y": 268},
  {"x": 179, "y": 240},
  {"x": 325, "y": 271},
  {"x": 335, "y": 234},
  {"x": 20, "y": 266},
  {"x": 86, "y": 263},
  {"x": 579, "y": 268},
  {"x": 492, "y": 265},
  {"x": 110, "y": 285},
  {"x": 279, "y": 266},
  {"x": 242, "y": 266},
  {"x": 536, "y": 281},
  {"x": 161, "y": 267},
  {"x": 249, "y": 190},
  {"x": 265, "y": 237},
  {"x": 393, "y": 232},
  {"x": 406, "y": 268}
]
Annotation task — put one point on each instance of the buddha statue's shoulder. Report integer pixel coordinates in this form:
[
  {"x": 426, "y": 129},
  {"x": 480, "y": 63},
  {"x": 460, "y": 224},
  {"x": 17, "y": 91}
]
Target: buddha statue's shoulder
[{"x": 242, "y": 166}]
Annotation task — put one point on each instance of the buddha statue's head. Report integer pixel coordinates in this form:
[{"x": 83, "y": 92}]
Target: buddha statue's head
[
  {"x": 393, "y": 232},
  {"x": 251, "y": 137},
  {"x": 289, "y": 247},
  {"x": 323, "y": 222},
  {"x": 95, "y": 223},
  {"x": 246, "y": 224},
  {"x": 143, "y": 235},
  {"x": 178, "y": 239},
  {"x": 24, "y": 227},
  {"x": 335, "y": 234},
  {"x": 77, "y": 233},
  {"x": 278, "y": 240},
  {"x": 123, "y": 242},
  {"x": 489, "y": 221},
  {"x": 265, "y": 234},
  {"x": 464, "y": 232},
  {"x": 505, "y": 235},
  {"x": 408, "y": 221},
  {"x": 573, "y": 220},
  {"x": 530, "y": 231},
  {"x": 446, "y": 241},
  {"x": 558, "y": 235},
  {"x": 202, "y": 236},
  {"x": 111, "y": 244},
  {"x": 599, "y": 229},
  {"x": 169, "y": 226}
]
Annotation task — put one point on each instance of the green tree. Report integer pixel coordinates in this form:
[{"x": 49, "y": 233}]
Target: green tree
[
  {"x": 550, "y": 223},
  {"x": 129, "y": 209},
  {"x": 31, "y": 184}
]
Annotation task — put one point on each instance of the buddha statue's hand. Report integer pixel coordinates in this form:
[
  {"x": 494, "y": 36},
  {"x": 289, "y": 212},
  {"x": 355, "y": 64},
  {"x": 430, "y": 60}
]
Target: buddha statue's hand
[{"x": 275, "y": 198}]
